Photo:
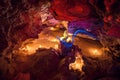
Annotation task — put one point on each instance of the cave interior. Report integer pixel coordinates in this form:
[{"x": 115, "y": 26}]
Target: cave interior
[{"x": 59, "y": 40}]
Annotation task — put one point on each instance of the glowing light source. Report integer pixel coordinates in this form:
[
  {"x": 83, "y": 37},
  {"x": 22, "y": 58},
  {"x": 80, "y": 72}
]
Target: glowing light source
[
  {"x": 69, "y": 39},
  {"x": 95, "y": 52},
  {"x": 29, "y": 47},
  {"x": 65, "y": 36},
  {"x": 78, "y": 64}
]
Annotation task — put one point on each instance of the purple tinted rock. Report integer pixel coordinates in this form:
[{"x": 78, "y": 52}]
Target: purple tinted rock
[{"x": 89, "y": 25}]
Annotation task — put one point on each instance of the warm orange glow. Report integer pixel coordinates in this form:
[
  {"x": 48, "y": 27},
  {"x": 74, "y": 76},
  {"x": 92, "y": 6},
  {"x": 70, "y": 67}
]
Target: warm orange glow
[
  {"x": 69, "y": 39},
  {"x": 52, "y": 29},
  {"x": 54, "y": 40},
  {"x": 44, "y": 40},
  {"x": 78, "y": 64},
  {"x": 65, "y": 24},
  {"x": 56, "y": 46},
  {"x": 29, "y": 47},
  {"x": 70, "y": 34},
  {"x": 66, "y": 36},
  {"x": 95, "y": 52}
]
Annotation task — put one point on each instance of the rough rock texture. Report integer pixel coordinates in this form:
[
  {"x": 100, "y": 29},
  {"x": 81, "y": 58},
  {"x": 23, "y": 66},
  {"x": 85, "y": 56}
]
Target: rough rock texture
[
  {"x": 72, "y": 10},
  {"x": 20, "y": 20}
]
